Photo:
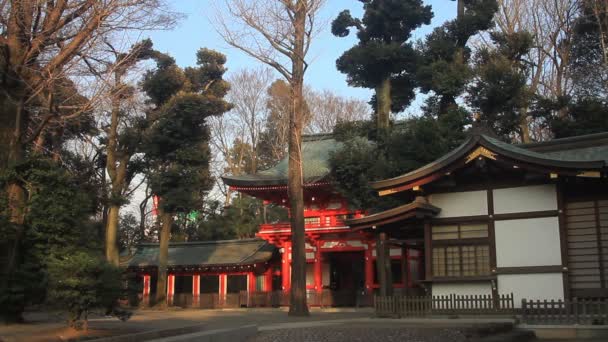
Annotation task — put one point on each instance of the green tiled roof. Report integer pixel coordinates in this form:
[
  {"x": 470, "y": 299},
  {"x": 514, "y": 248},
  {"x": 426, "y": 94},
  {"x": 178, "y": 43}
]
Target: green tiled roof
[
  {"x": 204, "y": 253},
  {"x": 316, "y": 150},
  {"x": 568, "y": 154},
  {"x": 581, "y": 154},
  {"x": 579, "y": 148}
]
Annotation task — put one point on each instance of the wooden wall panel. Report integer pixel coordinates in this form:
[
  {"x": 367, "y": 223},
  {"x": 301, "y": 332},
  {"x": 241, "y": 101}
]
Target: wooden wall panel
[{"x": 587, "y": 231}]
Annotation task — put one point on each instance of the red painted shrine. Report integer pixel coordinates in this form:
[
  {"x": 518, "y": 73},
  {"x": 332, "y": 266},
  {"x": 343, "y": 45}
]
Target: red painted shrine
[
  {"x": 340, "y": 259},
  {"x": 443, "y": 237}
]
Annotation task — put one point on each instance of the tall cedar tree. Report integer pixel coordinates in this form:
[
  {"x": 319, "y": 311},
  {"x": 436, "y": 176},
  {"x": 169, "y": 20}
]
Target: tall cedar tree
[
  {"x": 500, "y": 92},
  {"x": 383, "y": 59},
  {"x": 444, "y": 68},
  {"x": 177, "y": 143},
  {"x": 121, "y": 144}
]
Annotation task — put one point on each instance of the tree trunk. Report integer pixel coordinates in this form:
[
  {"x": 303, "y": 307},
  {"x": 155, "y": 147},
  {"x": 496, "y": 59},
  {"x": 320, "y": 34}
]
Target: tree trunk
[
  {"x": 460, "y": 9},
  {"x": 381, "y": 264},
  {"x": 524, "y": 127},
  {"x": 13, "y": 119},
  {"x": 163, "y": 255},
  {"x": 297, "y": 304},
  {"x": 112, "y": 235},
  {"x": 383, "y": 111}
]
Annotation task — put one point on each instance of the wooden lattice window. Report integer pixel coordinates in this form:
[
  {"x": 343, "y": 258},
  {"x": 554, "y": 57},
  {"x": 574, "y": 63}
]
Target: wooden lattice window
[{"x": 460, "y": 250}]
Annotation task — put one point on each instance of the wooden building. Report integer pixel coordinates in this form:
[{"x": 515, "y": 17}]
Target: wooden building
[
  {"x": 488, "y": 218},
  {"x": 340, "y": 260},
  {"x": 206, "y": 274},
  {"x": 497, "y": 218}
]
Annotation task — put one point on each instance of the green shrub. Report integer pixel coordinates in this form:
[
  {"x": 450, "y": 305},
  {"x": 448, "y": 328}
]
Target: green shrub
[{"x": 80, "y": 282}]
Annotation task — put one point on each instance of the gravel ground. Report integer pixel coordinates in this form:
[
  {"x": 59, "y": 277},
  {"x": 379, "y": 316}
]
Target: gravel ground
[{"x": 339, "y": 333}]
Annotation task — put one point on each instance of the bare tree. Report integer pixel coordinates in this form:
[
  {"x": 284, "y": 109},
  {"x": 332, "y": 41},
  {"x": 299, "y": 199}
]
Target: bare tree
[
  {"x": 278, "y": 33},
  {"x": 248, "y": 89},
  {"x": 43, "y": 42},
  {"x": 327, "y": 109},
  {"x": 551, "y": 25},
  {"x": 600, "y": 11},
  {"x": 236, "y": 135}
]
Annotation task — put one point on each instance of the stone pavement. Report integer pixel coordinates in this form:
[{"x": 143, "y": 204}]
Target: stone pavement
[{"x": 49, "y": 324}]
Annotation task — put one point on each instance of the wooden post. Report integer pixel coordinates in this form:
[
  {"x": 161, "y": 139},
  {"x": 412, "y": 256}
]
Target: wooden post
[
  {"x": 318, "y": 270},
  {"x": 170, "y": 288},
  {"x": 428, "y": 251},
  {"x": 146, "y": 290},
  {"x": 196, "y": 290},
  {"x": 222, "y": 289},
  {"x": 381, "y": 264},
  {"x": 251, "y": 282},
  {"x": 251, "y": 285},
  {"x": 268, "y": 280},
  {"x": 285, "y": 267},
  {"x": 369, "y": 269},
  {"x": 404, "y": 269}
]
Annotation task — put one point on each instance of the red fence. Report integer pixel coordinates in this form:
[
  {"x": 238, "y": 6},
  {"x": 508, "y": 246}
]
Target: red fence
[{"x": 333, "y": 222}]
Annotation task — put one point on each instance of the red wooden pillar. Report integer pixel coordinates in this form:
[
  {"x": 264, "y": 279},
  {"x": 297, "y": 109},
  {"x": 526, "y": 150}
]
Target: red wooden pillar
[
  {"x": 251, "y": 282},
  {"x": 146, "y": 290},
  {"x": 170, "y": 288},
  {"x": 369, "y": 268},
  {"x": 268, "y": 280},
  {"x": 196, "y": 290},
  {"x": 222, "y": 289},
  {"x": 318, "y": 270},
  {"x": 286, "y": 266}
]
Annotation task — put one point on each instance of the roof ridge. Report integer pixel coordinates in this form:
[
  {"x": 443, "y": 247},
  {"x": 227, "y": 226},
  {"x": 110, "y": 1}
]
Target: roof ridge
[
  {"x": 317, "y": 136},
  {"x": 206, "y": 242},
  {"x": 558, "y": 141}
]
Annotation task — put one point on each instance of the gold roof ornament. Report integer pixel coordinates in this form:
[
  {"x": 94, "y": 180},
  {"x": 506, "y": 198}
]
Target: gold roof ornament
[{"x": 480, "y": 152}]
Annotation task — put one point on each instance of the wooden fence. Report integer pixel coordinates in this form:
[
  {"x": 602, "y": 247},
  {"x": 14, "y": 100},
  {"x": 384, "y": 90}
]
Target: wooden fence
[
  {"x": 576, "y": 311},
  {"x": 419, "y": 306}
]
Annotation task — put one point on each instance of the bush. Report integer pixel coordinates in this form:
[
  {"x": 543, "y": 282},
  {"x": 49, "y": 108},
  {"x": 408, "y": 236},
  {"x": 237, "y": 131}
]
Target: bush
[{"x": 80, "y": 282}]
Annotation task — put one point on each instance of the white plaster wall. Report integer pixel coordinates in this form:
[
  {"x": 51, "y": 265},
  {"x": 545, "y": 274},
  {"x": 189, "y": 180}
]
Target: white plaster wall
[
  {"x": 455, "y": 204},
  {"x": 393, "y": 252},
  {"x": 532, "y": 286},
  {"x": 446, "y": 289},
  {"x": 528, "y": 242},
  {"x": 525, "y": 199}
]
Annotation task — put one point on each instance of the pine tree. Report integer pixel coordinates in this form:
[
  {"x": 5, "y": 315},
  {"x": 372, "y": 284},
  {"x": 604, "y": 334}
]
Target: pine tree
[
  {"x": 383, "y": 59},
  {"x": 500, "y": 93},
  {"x": 177, "y": 146},
  {"x": 444, "y": 67}
]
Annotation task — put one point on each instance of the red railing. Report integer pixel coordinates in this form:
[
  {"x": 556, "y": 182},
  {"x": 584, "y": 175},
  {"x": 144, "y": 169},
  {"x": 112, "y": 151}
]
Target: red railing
[{"x": 323, "y": 222}]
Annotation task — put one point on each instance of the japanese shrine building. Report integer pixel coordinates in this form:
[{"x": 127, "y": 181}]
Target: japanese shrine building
[
  {"x": 340, "y": 260},
  {"x": 487, "y": 218},
  {"x": 530, "y": 219}
]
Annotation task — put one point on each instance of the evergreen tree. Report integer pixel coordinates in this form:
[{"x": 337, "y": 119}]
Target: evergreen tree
[
  {"x": 177, "y": 146},
  {"x": 444, "y": 67},
  {"x": 588, "y": 60},
  {"x": 122, "y": 141},
  {"x": 383, "y": 59},
  {"x": 499, "y": 91},
  {"x": 57, "y": 224}
]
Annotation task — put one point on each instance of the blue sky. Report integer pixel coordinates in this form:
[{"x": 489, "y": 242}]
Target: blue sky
[{"x": 196, "y": 31}]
